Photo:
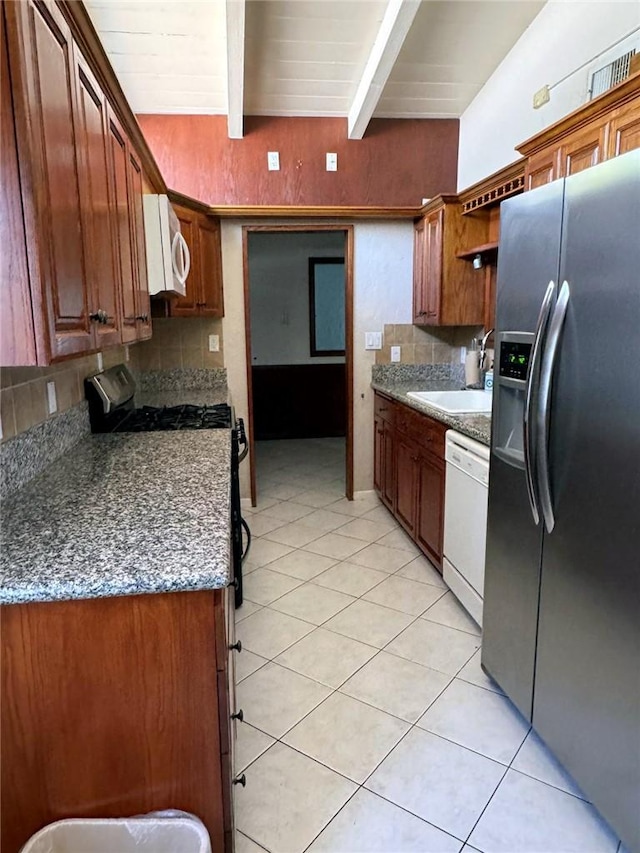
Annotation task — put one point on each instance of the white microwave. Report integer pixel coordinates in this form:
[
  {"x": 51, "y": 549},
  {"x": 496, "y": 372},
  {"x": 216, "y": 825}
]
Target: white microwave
[{"x": 168, "y": 258}]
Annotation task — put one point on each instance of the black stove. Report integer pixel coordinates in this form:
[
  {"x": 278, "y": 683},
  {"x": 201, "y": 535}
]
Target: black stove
[{"x": 110, "y": 395}]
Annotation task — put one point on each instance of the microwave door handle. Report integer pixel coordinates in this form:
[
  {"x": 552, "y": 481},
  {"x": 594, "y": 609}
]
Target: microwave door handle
[
  {"x": 186, "y": 258},
  {"x": 180, "y": 248},
  {"x": 549, "y": 358},
  {"x": 528, "y": 421}
]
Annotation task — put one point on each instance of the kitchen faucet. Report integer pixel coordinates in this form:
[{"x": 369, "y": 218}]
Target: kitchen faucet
[{"x": 483, "y": 348}]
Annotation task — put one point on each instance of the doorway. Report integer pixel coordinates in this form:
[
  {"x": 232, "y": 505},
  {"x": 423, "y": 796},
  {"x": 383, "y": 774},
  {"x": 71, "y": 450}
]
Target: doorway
[{"x": 298, "y": 295}]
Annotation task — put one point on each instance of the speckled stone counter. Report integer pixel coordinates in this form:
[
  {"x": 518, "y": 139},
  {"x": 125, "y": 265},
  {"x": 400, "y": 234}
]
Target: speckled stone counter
[
  {"x": 179, "y": 397},
  {"x": 121, "y": 515},
  {"x": 475, "y": 426}
]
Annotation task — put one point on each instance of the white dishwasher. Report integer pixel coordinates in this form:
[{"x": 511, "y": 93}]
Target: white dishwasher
[{"x": 465, "y": 520}]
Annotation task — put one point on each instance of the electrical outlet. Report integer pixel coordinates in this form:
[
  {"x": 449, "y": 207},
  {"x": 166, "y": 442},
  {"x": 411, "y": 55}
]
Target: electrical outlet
[
  {"x": 373, "y": 340},
  {"x": 52, "y": 400},
  {"x": 395, "y": 354},
  {"x": 273, "y": 161},
  {"x": 332, "y": 162},
  {"x": 100, "y": 361},
  {"x": 126, "y": 353},
  {"x": 463, "y": 355},
  {"x": 541, "y": 97},
  {"x": 214, "y": 343}
]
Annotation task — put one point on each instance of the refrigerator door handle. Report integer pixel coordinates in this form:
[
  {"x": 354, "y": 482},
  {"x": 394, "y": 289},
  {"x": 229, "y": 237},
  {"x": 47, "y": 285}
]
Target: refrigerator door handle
[
  {"x": 542, "y": 419},
  {"x": 528, "y": 425}
]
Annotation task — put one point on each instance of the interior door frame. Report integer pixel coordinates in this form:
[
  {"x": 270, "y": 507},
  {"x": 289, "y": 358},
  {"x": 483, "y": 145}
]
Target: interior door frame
[{"x": 347, "y": 229}]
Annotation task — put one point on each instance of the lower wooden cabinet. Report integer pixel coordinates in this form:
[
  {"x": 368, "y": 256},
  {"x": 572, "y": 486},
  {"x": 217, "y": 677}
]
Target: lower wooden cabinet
[
  {"x": 115, "y": 707},
  {"x": 409, "y": 471}
]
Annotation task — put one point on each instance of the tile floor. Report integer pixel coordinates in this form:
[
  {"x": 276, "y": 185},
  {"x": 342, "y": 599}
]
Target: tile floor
[{"x": 368, "y": 722}]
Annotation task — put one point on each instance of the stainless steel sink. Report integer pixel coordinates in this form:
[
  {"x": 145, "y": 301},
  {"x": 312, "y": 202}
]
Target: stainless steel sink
[{"x": 456, "y": 402}]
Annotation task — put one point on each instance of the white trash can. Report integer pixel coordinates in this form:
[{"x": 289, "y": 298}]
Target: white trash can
[{"x": 153, "y": 833}]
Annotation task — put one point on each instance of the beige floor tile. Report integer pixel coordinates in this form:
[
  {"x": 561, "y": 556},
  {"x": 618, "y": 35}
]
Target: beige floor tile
[
  {"x": 264, "y": 585},
  {"x": 402, "y": 594},
  {"x": 295, "y": 534},
  {"x": 313, "y": 603},
  {"x": 534, "y": 759},
  {"x": 250, "y": 744},
  {"x": 246, "y": 663},
  {"x": 439, "y": 781},
  {"x": 369, "y": 824},
  {"x": 349, "y": 578},
  {"x": 527, "y": 816},
  {"x": 383, "y": 517},
  {"x": 288, "y": 511},
  {"x": 325, "y": 520},
  {"x": 347, "y": 735},
  {"x": 435, "y": 646},
  {"x": 268, "y": 633},
  {"x": 399, "y": 687},
  {"x": 326, "y": 657},
  {"x": 262, "y": 523},
  {"x": 289, "y": 799},
  {"x": 361, "y": 528},
  {"x": 246, "y": 609},
  {"x": 369, "y": 623},
  {"x": 317, "y": 498},
  {"x": 282, "y": 491},
  {"x": 335, "y": 545},
  {"x": 398, "y": 539},
  {"x": 474, "y": 674},
  {"x": 262, "y": 552},
  {"x": 302, "y": 564},
  {"x": 387, "y": 560},
  {"x": 478, "y": 719},
  {"x": 246, "y": 845},
  {"x": 358, "y": 507},
  {"x": 421, "y": 570},
  {"x": 448, "y": 611},
  {"x": 274, "y": 699}
]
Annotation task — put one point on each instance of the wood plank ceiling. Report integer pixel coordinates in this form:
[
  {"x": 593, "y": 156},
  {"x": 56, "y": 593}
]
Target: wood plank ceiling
[{"x": 351, "y": 58}]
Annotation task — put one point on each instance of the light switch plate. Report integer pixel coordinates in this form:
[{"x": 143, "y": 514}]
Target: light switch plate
[
  {"x": 52, "y": 400},
  {"x": 373, "y": 340},
  {"x": 126, "y": 352},
  {"x": 273, "y": 161},
  {"x": 100, "y": 361},
  {"x": 214, "y": 343},
  {"x": 395, "y": 354},
  {"x": 1, "y": 432},
  {"x": 332, "y": 162},
  {"x": 463, "y": 355}
]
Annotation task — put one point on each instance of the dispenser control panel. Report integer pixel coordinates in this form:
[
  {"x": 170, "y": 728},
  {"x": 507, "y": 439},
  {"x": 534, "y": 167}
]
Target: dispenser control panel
[{"x": 514, "y": 359}]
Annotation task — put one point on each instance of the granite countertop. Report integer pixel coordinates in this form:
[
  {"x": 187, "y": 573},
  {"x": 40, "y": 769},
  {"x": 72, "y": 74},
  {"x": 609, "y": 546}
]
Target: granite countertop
[
  {"x": 475, "y": 426},
  {"x": 179, "y": 397},
  {"x": 121, "y": 514}
]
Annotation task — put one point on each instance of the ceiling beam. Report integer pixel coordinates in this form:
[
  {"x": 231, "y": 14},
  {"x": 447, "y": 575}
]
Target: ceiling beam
[
  {"x": 235, "y": 14},
  {"x": 395, "y": 25}
]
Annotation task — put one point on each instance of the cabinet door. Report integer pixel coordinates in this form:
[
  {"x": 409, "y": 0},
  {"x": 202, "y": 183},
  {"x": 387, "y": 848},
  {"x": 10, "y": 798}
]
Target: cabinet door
[
  {"x": 406, "y": 482},
  {"x": 624, "y": 130},
  {"x": 419, "y": 294},
  {"x": 582, "y": 150},
  {"x": 122, "y": 226},
  {"x": 142, "y": 300},
  {"x": 17, "y": 338},
  {"x": 93, "y": 160},
  {"x": 40, "y": 55},
  {"x": 187, "y": 305},
  {"x": 209, "y": 251},
  {"x": 433, "y": 263},
  {"x": 541, "y": 169},
  {"x": 430, "y": 515},
  {"x": 378, "y": 454},
  {"x": 388, "y": 476}
]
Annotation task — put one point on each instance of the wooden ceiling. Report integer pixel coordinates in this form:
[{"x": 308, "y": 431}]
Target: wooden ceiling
[{"x": 348, "y": 58}]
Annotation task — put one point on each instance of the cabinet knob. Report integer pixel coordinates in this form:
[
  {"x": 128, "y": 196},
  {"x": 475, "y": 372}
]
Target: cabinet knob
[
  {"x": 240, "y": 780},
  {"x": 237, "y": 647},
  {"x": 238, "y": 716}
]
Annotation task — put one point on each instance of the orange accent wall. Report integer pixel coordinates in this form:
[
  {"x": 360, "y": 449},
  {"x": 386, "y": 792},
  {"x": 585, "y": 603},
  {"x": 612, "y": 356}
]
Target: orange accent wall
[{"x": 398, "y": 163}]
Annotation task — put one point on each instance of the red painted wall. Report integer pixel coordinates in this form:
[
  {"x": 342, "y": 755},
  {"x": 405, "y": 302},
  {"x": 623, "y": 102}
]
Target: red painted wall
[{"x": 398, "y": 163}]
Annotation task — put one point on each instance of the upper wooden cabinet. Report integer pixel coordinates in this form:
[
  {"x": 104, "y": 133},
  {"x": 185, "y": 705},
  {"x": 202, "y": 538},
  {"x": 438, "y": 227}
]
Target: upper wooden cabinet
[
  {"x": 445, "y": 290},
  {"x": 73, "y": 206},
  {"x": 603, "y": 128},
  {"x": 204, "y": 295}
]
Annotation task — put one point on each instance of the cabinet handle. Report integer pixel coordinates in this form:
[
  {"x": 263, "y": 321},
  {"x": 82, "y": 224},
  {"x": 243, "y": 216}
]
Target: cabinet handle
[
  {"x": 144, "y": 318},
  {"x": 236, "y": 646},
  {"x": 238, "y": 716},
  {"x": 240, "y": 780},
  {"x": 235, "y": 583}
]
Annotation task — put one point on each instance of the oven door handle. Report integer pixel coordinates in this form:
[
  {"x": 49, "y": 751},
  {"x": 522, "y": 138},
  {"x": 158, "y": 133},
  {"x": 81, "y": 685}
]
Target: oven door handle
[{"x": 242, "y": 440}]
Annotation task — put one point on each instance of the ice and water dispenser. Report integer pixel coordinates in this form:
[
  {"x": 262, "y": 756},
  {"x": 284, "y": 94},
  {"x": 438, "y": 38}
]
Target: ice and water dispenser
[{"x": 509, "y": 396}]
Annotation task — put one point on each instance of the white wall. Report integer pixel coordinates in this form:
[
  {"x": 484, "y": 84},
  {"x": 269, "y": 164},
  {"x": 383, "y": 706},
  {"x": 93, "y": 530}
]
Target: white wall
[
  {"x": 562, "y": 38},
  {"x": 383, "y": 275},
  {"x": 279, "y": 280}
]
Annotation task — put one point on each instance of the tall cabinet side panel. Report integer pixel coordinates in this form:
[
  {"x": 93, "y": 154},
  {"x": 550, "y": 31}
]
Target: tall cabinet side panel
[
  {"x": 528, "y": 259},
  {"x": 587, "y": 697}
]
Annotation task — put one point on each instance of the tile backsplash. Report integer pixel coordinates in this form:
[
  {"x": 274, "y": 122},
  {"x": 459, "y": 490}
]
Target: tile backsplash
[
  {"x": 179, "y": 342},
  {"x": 437, "y": 345},
  {"x": 23, "y": 390}
]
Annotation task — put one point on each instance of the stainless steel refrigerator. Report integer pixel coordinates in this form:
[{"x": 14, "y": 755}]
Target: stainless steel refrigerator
[{"x": 561, "y": 631}]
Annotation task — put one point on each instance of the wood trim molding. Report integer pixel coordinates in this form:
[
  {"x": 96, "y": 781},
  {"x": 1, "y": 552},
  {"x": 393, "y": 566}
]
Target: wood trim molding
[
  {"x": 188, "y": 202},
  {"x": 84, "y": 33},
  {"x": 436, "y": 202},
  {"x": 493, "y": 189},
  {"x": 619, "y": 95},
  {"x": 251, "y": 211}
]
